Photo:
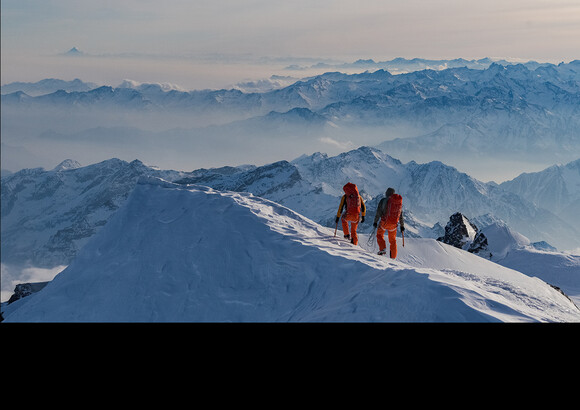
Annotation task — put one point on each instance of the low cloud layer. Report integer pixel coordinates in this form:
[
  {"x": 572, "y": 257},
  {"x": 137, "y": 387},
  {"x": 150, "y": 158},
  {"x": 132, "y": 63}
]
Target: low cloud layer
[{"x": 12, "y": 276}]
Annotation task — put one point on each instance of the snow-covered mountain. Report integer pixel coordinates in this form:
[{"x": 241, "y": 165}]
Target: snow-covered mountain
[
  {"x": 48, "y": 215},
  {"x": 475, "y": 112},
  {"x": 556, "y": 188},
  {"x": 505, "y": 110},
  {"x": 432, "y": 192},
  {"x": 47, "y": 86},
  {"x": 403, "y": 65},
  {"x": 395, "y": 66},
  {"x": 189, "y": 253},
  {"x": 531, "y": 112}
]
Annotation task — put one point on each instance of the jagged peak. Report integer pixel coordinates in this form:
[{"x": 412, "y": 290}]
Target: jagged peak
[
  {"x": 74, "y": 52},
  {"x": 369, "y": 153},
  {"x": 67, "y": 164},
  {"x": 315, "y": 157}
]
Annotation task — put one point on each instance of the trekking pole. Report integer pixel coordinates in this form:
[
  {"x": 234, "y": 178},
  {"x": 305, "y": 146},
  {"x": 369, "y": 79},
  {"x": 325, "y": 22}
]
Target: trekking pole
[
  {"x": 335, "y": 229},
  {"x": 370, "y": 240},
  {"x": 403, "y": 235}
]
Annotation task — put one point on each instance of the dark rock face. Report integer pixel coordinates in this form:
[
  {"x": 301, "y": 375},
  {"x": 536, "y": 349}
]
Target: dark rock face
[
  {"x": 26, "y": 289},
  {"x": 459, "y": 231},
  {"x": 479, "y": 245}
]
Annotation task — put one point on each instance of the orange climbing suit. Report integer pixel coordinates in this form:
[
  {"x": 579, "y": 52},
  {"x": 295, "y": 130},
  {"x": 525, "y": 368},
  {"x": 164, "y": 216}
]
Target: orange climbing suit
[
  {"x": 392, "y": 232},
  {"x": 351, "y": 217},
  {"x": 388, "y": 223}
]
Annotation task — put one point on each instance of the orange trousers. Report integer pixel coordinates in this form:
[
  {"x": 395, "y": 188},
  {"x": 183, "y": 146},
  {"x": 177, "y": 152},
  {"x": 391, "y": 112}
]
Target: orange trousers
[
  {"x": 392, "y": 230},
  {"x": 353, "y": 219}
]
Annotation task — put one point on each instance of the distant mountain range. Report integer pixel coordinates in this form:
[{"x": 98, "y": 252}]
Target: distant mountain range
[
  {"x": 403, "y": 65},
  {"x": 48, "y": 86},
  {"x": 514, "y": 111}
]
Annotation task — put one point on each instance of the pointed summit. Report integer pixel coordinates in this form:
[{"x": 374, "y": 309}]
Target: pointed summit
[
  {"x": 74, "y": 52},
  {"x": 67, "y": 164}
]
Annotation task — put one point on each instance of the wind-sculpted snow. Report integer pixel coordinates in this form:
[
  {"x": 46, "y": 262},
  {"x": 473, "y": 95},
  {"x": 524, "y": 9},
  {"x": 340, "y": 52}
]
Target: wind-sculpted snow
[{"x": 176, "y": 253}]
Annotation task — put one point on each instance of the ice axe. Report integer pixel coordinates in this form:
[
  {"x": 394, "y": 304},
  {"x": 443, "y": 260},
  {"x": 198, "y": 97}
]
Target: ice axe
[
  {"x": 403, "y": 235},
  {"x": 335, "y": 229}
]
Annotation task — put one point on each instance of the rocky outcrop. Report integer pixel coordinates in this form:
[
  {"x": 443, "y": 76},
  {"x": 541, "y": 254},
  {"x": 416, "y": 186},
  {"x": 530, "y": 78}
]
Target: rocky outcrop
[
  {"x": 459, "y": 232},
  {"x": 26, "y": 289}
]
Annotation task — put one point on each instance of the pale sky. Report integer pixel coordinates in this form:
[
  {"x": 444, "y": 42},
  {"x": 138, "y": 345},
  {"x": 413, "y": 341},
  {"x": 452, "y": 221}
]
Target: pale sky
[{"x": 141, "y": 38}]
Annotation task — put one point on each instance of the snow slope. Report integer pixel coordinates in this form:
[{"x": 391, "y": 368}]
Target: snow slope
[
  {"x": 513, "y": 250},
  {"x": 190, "y": 253},
  {"x": 506, "y": 248}
]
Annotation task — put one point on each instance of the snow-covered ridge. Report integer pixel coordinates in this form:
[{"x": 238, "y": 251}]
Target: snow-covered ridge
[
  {"x": 188, "y": 253},
  {"x": 48, "y": 215}
]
